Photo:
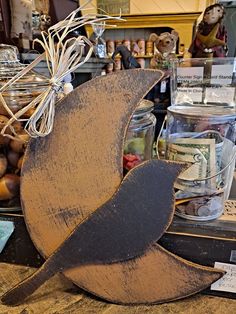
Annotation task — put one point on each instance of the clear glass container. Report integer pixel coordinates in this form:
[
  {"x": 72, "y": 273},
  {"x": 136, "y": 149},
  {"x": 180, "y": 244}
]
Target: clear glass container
[
  {"x": 204, "y": 82},
  {"x": 204, "y": 137},
  {"x": 17, "y": 95},
  {"x": 140, "y": 135}
]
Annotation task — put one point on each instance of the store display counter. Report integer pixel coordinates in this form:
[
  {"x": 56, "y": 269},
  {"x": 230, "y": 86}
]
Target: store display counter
[
  {"x": 200, "y": 242},
  {"x": 60, "y": 296}
]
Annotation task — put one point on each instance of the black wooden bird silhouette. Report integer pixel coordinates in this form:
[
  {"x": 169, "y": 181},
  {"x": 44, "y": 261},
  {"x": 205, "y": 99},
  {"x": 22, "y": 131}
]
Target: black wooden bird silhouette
[
  {"x": 128, "y": 61},
  {"x": 123, "y": 228}
]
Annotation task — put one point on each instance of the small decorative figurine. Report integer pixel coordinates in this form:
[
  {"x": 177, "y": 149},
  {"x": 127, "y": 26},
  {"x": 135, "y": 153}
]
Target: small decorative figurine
[
  {"x": 211, "y": 36},
  {"x": 128, "y": 61},
  {"x": 164, "y": 44}
]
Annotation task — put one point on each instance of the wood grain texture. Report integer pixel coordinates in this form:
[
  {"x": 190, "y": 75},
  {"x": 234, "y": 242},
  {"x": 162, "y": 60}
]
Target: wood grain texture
[{"x": 122, "y": 228}]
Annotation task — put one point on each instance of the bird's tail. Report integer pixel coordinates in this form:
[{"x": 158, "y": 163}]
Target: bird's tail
[{"x": 24, "y": 289}]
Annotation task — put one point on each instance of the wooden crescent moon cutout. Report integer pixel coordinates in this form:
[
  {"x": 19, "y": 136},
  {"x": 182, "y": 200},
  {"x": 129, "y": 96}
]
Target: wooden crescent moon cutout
[{"x": 97, "y": 228}]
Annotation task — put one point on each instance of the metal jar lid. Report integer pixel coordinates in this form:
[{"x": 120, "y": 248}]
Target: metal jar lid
[
  {"x": 24, "y": 90},
  {"x": 195, "y": 112},
  {"x": 144, "y": 107}
]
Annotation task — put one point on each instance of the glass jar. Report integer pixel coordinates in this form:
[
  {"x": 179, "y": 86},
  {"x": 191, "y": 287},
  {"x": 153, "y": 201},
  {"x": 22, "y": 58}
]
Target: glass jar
[
  {"x": 140, "y": 135},
  {"x": 17, "y": 95},
  {"x": 204, "y": 137},
  {"x": 203, "y": 82}
]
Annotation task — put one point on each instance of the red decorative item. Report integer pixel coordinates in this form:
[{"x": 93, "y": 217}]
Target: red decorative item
[{"x": 130, "y": 161}]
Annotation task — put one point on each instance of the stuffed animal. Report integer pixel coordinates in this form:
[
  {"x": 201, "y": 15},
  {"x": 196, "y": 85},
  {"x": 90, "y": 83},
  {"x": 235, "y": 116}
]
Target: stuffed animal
[
  {"x": 211, "y": 36},
  {"x": 164, "y": 44}
]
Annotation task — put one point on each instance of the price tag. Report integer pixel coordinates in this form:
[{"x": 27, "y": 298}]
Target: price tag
[
  {"x": 163, "y": 86},
  {"x": 228, "y": 282}
]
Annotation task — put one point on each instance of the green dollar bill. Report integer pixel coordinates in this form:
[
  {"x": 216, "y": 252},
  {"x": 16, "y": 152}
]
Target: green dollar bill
[{"x": 201, "y": 154}]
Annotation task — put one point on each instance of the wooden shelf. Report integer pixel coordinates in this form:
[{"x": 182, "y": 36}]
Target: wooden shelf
[
  {"x": 183, "y": 23},
  {"x": 153, "y": 20},
  {"x": 138, "y": 57}
]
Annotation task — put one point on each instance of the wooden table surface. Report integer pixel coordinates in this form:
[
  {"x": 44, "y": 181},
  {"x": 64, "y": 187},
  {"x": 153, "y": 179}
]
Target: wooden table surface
[{"x": 59, "y": 296}]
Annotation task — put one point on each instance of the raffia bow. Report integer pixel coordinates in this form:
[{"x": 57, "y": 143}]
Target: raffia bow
[{"x": 62, "y": 58}]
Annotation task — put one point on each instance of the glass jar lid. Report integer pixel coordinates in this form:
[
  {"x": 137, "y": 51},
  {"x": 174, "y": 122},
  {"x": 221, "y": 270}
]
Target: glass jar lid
[
  {"x": 10, "y": 66},
  {"x": 144, "y": 107},
  {"x": 26, "y": 88},
  {"x": 195, "y": 112}
]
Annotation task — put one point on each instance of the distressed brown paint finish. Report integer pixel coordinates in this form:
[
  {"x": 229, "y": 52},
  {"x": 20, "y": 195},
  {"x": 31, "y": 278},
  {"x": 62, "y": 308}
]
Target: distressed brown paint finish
[
  {"x": 155, "y": 277},
  {"x": 78, "y": 167},
  {"x": 73, "y": 171}
]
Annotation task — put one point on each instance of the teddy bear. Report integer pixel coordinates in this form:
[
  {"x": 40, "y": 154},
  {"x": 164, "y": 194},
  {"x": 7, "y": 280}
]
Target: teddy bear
[{"x": 164, "y": 44}]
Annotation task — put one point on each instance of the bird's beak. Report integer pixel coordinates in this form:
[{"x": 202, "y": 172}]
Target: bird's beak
[{"x": 177, "y": 167}]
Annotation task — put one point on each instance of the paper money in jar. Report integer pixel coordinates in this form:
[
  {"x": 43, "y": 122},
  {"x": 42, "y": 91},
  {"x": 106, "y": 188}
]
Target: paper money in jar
[{"x": 203, "y": 137}]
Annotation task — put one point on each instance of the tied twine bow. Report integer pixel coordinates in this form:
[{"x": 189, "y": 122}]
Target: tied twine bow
[
  {"x": 56, "y": 85},
  {"x": 62, "y": 58}
]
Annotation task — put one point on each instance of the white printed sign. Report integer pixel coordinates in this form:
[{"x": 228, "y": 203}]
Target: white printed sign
[
  {"x": 219, "y": 95},
  {"x": 228, "y": 281},
  {"x": 192, "y": 75},
  {"x": 189, "y": 95},
  {"x": 222, "y": 74}
]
